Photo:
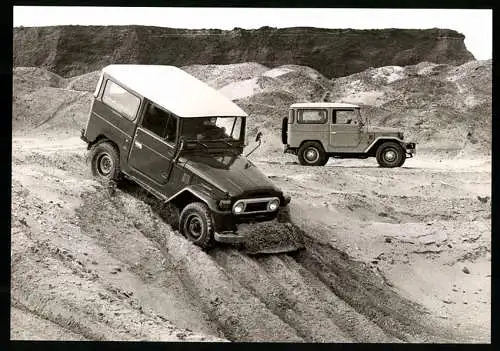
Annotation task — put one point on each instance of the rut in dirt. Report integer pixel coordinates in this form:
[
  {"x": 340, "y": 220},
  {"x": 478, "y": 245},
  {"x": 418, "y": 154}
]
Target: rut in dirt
[{"x": 317, "y": 294}]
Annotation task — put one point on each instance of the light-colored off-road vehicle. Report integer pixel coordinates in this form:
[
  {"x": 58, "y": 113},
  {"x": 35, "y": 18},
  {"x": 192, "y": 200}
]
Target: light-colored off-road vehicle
[{"x": 317, "y": 131}]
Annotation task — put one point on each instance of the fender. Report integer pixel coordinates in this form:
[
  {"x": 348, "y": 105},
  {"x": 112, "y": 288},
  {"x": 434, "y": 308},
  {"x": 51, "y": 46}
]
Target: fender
[
  {"x": 399, "y": 141},
  {"x": 312, "y": 140},
  {"x": 201, "y": 193}
]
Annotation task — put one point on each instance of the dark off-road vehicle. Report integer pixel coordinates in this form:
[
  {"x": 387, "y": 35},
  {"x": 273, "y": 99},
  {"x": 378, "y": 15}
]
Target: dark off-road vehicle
[
  {"x": 183, "y": 142},
  {"x": 317, "y": 131}
]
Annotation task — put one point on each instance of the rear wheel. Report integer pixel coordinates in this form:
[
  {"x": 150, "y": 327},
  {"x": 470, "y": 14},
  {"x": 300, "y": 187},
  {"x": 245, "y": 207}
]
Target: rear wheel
[
  {"x": 390, "y": 154},
  {"x": 311, "y": 153},
  {"x": 197, "y": 225},
  {"x": 105, "y": 161}
]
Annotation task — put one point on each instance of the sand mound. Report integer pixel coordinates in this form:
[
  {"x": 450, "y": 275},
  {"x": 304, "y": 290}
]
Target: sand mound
[
  {"x": 45, "y": 103},
  {"x": 241, "y": 89},
  {"x": 84, "y": 82},
  {"x": 218, "y": 76},
  {"x": 50, "y": 109},
  {"x": 40, "y": 104},
  {"x": 32, "y": 78}
]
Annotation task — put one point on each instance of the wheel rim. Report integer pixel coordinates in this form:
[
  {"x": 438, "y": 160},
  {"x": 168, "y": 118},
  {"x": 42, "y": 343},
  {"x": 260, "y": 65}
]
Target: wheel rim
[
  {"x": 311, "y": 155},
  {"x": 194, "y": 226},
  {"x": 390, "y": 155},
  {"x": 104, "y": 165}
]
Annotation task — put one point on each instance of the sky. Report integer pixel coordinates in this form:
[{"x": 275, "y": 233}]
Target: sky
[{"x": 475, "y": 24}]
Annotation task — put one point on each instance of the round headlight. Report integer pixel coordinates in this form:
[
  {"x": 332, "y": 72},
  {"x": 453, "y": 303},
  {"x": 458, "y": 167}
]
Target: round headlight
[
  {"x": 273, "y": 205},
  {"x": 239, "y": 207}
]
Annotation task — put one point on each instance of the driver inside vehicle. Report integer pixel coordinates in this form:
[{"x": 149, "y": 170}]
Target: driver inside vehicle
[{"x": 203, "y": 128}]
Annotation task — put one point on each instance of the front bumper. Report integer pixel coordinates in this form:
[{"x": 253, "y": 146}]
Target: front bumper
[
  {"x": 410, "y": 149},
  {"x": 288, "y": 150},
  {"x": 82, "y": 136},
  {"x": 228, "y": 237}
]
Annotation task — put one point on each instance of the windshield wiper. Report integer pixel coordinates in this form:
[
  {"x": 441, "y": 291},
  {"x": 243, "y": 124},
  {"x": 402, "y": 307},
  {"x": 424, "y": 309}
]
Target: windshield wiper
[
  {"x": 227, "y": 142},
  {"x": 197, "y": 142}
]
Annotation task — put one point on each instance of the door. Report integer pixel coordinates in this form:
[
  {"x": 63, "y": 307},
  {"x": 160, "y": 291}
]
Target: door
[
  {"x": 343, "y": 132},
  {"x": 153, "y": 148}
]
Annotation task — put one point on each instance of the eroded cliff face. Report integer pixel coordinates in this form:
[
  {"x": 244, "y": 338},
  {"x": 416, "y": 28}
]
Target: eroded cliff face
[{"x": 73, "y": 50}]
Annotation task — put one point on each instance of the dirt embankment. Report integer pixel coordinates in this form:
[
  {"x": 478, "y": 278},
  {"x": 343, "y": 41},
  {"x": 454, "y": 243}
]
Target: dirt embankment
[{"x": 75, "y": 50}]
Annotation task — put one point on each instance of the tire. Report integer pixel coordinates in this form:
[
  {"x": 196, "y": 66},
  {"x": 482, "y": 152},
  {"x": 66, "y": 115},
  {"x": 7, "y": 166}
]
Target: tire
[
  {"x": 105, "y": 161},
  {"x": 284, "y": 130},
  {"x": 196, "y": 224},
  {"x": 403, "y": 159},
  {"x": 311, "y": 153},
  {"x": 390, "y": 155}
]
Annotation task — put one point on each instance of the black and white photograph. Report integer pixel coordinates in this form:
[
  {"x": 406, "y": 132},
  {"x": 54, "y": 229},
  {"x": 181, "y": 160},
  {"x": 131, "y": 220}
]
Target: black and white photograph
[{"x": 245, "y": 174}]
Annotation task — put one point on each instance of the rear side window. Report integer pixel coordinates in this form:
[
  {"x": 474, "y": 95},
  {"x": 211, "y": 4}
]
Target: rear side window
[
  {"x": 312, "y": 116},
  {"x": 121, "y": 100}
]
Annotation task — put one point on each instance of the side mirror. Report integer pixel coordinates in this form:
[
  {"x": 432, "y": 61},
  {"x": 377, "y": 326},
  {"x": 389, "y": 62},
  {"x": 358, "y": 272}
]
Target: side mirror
[
  {"x": 258, "y": 137},
  {"x": 179, "y": 149}
]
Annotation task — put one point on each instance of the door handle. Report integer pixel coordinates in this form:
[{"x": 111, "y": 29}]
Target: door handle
[
  {"x": 138, "y": 145},
  {"x": 164, "y": 175},
  {"x": 333, "y": 132}
]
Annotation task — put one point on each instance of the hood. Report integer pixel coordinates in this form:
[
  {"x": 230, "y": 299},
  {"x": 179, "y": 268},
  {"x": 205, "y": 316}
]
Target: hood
[
  {"x": 387, "y": 131},
  {"x": 233, "y": 174}
]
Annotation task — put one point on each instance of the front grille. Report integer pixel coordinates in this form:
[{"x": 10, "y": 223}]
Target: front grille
[{"x": 258, "y": 205}]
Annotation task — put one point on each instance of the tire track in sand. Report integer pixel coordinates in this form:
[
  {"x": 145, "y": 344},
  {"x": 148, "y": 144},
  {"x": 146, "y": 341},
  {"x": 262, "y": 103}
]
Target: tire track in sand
[
  {"x": 287, "y": 301},
  {"x": 237, "y": 312}
]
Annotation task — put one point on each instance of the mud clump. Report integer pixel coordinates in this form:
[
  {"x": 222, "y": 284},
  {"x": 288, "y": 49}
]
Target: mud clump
[{"x": 270, "y": 237}]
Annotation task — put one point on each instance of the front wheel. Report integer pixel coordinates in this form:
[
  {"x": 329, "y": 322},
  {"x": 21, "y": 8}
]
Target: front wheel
[
  {"x": 311, "y": 153},
  {"x": 390, "y": 154},
  {"x": 197, "y": 225}
]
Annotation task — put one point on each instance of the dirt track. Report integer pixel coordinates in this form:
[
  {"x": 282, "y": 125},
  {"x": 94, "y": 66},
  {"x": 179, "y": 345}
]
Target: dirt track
[{"x": 95, "y": 265}]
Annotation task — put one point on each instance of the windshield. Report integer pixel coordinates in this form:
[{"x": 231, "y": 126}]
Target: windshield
[
  {"x": 359, "y": 116},
  {"x": 212, "y": 129}
]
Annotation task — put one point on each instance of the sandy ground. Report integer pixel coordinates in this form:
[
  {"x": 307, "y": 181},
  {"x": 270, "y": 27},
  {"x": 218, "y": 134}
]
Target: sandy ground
[{"x": 392, "y": 255}]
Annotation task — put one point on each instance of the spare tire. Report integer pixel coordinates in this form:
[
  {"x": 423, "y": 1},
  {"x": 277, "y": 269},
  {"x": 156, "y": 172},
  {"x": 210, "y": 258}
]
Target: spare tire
[{"x": 284, "y": 130}]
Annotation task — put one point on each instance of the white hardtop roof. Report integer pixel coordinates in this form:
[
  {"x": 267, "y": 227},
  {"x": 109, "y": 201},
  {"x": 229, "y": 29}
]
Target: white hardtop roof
[
  {"x": 174, "y": 90},
  {"x": 323, "y": 105}
]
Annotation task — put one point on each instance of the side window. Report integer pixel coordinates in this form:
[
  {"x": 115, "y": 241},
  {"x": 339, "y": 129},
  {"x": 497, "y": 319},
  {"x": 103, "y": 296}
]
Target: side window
[
  {"x": 121, "y": 100},
  {"x": 160, "y": 122},
  {"x": 343, "y": 116},
  {"x": 291, "y": 114},
  {"x": 312, "y": 116}
]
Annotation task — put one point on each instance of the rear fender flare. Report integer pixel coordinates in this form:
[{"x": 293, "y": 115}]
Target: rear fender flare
[{"x": 309, "y": 140}]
